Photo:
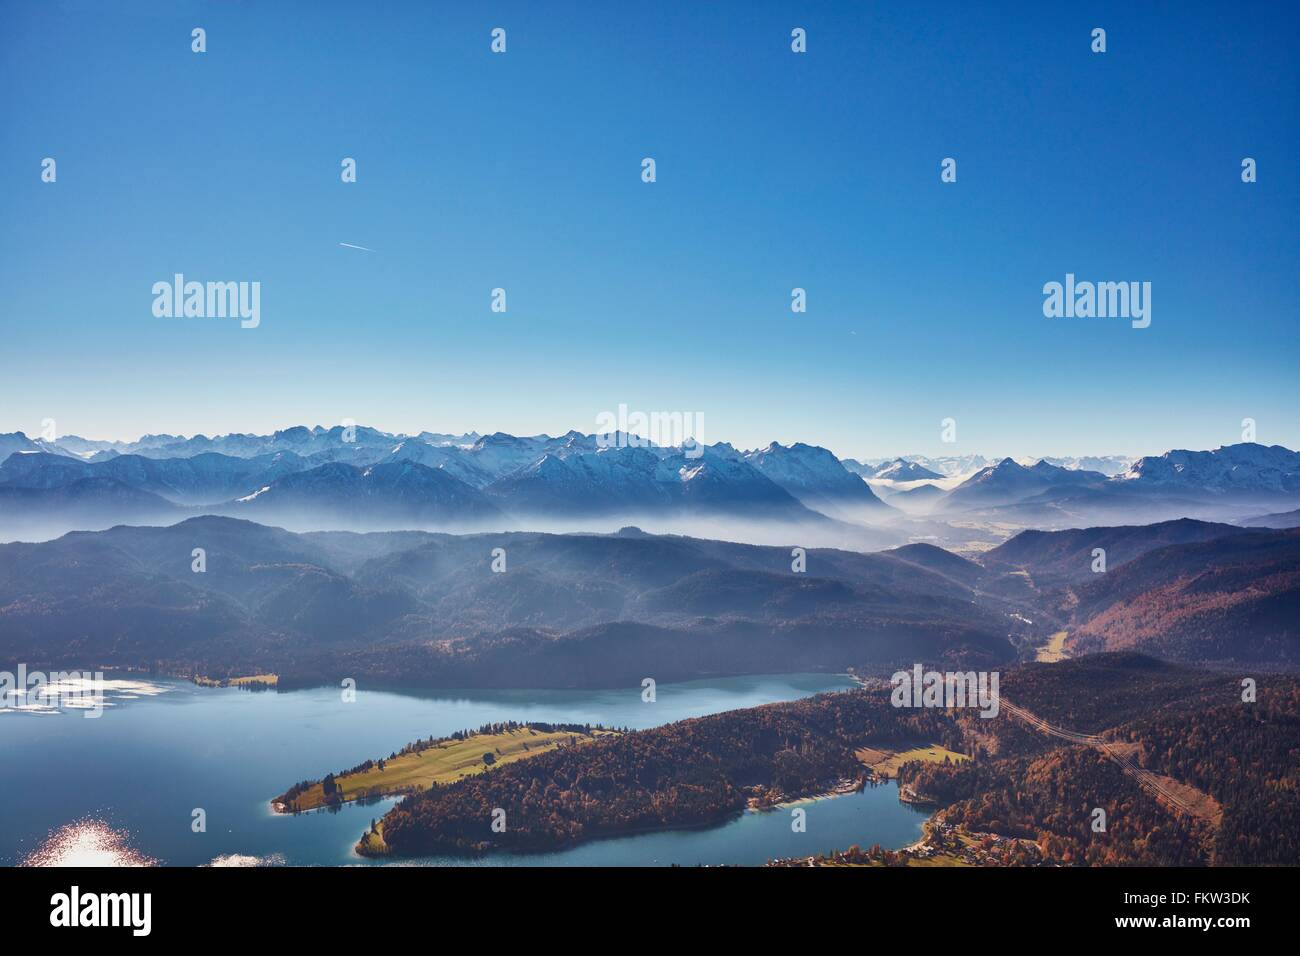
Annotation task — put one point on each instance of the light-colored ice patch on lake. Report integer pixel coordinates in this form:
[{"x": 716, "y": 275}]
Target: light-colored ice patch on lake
[{"x": 77, "y": 694}]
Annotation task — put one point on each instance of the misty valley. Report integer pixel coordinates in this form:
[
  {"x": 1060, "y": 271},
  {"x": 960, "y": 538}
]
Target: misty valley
[{"x": 397, "y": 674}]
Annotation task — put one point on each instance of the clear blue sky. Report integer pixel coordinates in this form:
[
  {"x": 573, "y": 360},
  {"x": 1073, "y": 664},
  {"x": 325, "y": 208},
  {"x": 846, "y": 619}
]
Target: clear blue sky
[{"x": 775, "y": 170}]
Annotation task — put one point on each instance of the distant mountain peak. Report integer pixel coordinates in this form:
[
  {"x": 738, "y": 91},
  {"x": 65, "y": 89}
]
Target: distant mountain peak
[
  {"x": 901, "y": 469},
  {"x": 1248, "y": 466}
]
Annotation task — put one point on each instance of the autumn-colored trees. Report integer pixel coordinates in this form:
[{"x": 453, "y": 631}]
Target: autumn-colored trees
[
  {"x": 696, "y": 771},
  {"x": 1188, "y": 725}
]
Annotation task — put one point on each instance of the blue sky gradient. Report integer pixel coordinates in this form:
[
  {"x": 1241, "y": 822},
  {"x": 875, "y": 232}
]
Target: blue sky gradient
[{"x": 775, "y": 170}]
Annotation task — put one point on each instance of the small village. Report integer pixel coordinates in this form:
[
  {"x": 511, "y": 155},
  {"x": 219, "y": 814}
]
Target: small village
[{"x": 944, "y": 844}]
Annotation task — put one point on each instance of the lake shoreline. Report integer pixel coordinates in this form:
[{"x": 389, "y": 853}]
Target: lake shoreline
[
  {"x": 841, "y": 789},
  {"x": 233, "y": 752}
]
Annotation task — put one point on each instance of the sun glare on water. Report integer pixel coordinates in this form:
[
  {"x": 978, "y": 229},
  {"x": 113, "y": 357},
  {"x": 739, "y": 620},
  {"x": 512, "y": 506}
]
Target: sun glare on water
[{"x": 87, "y": 843}]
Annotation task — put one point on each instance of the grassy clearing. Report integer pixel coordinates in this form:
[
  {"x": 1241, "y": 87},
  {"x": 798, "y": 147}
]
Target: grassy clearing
[
  {"x": 260, "y": 680},
  {"x": 1054, "y": 650},
  {"x": 444, "y": 762},
  {"x": 885, "y": 763}
]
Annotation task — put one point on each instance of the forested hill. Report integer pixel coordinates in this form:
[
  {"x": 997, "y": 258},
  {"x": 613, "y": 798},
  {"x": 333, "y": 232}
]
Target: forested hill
[
  {"x": 1189, "y": 726},
  {"x": 695, "y": 771},
  {"x": 222, "y": 597}
]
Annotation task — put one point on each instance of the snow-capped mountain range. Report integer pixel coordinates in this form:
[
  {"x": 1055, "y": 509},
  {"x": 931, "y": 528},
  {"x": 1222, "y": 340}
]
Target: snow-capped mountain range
[
  {"x": 434, "y": 478},
  {"x": 900, "y": 469},
  {"x": 16, "y": 442},
  {"x": 363, "y": 478},
  {"x": 1244, "y": 467},
  {"x": 965, "y": 465}
]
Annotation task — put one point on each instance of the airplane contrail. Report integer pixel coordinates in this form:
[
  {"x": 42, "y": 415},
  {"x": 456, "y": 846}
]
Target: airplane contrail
[{"x": 349, "y": 245}]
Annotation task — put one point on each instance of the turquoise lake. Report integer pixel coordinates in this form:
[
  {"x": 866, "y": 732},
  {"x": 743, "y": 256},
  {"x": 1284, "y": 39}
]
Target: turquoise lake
[{"x": 164, "y": 747}]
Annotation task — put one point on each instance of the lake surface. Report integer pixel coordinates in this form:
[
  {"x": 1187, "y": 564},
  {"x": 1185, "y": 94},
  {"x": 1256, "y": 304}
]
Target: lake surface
[{"x": 124, "y": 786}]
